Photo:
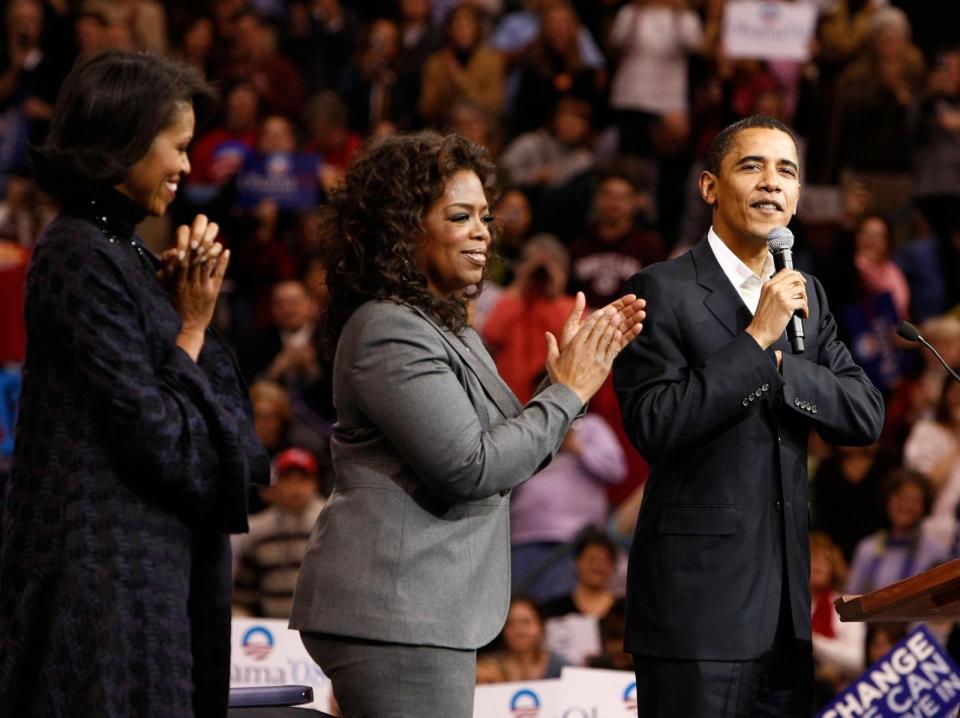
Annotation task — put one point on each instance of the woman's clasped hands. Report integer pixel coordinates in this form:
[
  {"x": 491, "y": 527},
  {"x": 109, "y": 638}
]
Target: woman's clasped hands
[
  {"x": 192, "y": 273},
  {"x": 584, "y": 354}
]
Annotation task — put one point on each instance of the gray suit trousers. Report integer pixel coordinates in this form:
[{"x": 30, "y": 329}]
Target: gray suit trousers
[{"x": 372, "y": 679}]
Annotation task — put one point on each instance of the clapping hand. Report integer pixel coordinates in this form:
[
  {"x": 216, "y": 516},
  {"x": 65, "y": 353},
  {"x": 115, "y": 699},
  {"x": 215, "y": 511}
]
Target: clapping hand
[{"x": 591, "y": 344}]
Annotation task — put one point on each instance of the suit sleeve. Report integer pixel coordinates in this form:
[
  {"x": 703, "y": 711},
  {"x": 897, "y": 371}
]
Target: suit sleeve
[
  {"x": 669, "y": 404},
  {"x": 165, "y": 423},
  {"x": 830, "y": 390},
  {"x": 404, "y": 384}
]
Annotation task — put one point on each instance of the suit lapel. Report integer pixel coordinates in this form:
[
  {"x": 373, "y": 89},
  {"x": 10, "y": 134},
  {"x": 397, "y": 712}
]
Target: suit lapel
[
  {"x": 496, "y": 389},
  {"x": 722, "y": 300}
]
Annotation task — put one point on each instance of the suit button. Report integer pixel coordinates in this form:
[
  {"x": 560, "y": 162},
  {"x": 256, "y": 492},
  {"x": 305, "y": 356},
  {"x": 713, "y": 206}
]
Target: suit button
[
  {"x": 814, "y": 409},
  {"x": 796, "y": 401},
  {"x": 751, "y": 397},
  {"x": 778, "y": 505},
  {"x": 764, "y": 387},
  {"x": 746, "y": 403}
]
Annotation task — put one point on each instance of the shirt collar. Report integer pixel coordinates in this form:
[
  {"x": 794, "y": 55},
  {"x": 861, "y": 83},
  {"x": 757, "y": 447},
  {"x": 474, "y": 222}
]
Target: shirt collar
[{"x": 737, "y": 272}]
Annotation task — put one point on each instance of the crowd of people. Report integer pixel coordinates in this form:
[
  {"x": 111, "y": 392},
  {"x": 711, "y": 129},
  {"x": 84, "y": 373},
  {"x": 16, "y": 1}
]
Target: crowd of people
[{"x": 599, "y": 115}]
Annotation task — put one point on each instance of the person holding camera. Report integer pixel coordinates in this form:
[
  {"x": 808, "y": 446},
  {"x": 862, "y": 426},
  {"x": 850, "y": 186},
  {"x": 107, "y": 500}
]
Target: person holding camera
[{"x": 534, "y": 303}]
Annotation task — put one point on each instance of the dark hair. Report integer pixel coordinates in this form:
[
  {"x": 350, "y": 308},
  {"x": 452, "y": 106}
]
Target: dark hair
[
  {"x": 110, "y": 108},
  {"x": 898, "y": 478},
  {"x": 724, "y": 140},
  {"x": 372, "y": 226},
  {"x": 594, "y": 537}
]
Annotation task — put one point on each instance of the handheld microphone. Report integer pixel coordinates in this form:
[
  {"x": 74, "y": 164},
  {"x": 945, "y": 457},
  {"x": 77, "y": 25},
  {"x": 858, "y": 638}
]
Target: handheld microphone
[
  {"x": 780, "y": 244},
  {"x": 909, "y": 332}
]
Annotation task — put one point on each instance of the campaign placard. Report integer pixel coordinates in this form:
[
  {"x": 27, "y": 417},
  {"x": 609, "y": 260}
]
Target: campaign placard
[
  {"x": 289, "y": 179},
  {"x": 597, "y": 693},
  {"x": 916, "y": 679},
  {"x": 768, "y": 30},
  {"x": 264, "y": 652},
  {"x": 530, "y": 699}
]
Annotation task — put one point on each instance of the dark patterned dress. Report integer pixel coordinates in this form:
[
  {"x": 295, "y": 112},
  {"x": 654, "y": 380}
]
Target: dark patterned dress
[{"x": 130, "y": 467}]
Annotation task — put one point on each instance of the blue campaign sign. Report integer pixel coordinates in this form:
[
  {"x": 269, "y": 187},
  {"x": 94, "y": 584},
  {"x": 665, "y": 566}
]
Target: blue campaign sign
[
  {"x": 288, "y": 179},
  {"x": 916, "y": 679}
]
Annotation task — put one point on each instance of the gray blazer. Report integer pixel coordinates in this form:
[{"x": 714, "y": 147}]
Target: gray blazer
[{"x": 413, "y": 545}]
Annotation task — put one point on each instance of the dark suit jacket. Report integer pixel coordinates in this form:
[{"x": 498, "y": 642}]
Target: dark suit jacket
[{"x": 724, "y": 524}]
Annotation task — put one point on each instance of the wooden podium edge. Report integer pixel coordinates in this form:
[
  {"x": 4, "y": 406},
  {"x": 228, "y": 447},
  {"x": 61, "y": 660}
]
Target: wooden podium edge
[{"x": 933, "y": 594}]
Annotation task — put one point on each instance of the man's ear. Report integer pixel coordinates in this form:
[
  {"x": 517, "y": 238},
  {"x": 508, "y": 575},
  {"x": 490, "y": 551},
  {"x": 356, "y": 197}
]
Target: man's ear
[{"x": 708, "y": 187}]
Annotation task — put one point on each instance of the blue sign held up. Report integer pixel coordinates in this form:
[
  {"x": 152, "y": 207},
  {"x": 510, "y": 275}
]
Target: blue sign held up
[
  {"x": 916, "y": 679},
  {"x": 290, "y": 180}
]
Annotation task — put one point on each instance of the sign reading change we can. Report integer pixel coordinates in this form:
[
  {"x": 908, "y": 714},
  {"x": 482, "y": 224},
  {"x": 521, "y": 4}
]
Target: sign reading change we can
[{"x": 916, "y": 679}]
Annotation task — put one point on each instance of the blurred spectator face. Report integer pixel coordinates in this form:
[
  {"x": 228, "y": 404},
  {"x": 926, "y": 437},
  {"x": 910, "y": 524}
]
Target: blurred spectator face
[
  {"x": 24, "y": 23},
  {"x": 671, "y": 132},
  {"x": 890, "y": 41},
  {"x": 198, "y": 39},
  {"x": 872, "y": 240},
  {"x": 514, "y": 215},
  {"x": 571, "y": 124},
  {"x": 821, "y": 572},
  {"x": 595, "y": 567},
  {"x": 276, "y": 135},
  {"x": 470, "y": 121},
  {"x": 294, "y": 490},
  {"x": 316, "y": 276},
  {"x": 269, "y": 421},
  {"x": 291, "y": 306},
  {"x": 91, "y": 33},
  {"x": 944, "y": 334},
  {"x": 523, "y": 631},
  {"x": 880, "y": 644},
  {"x": 560, "y": 28},
  {"x": 464, "y": 28},
  {"x": 384, "y": 40},
  {"x": 241, "y": 109},
  {"x": 414, "y": 11},
  {"x": 905, "y": 507},
  {"x": 249, "y": 37},
  {"x": 615, "y": 202}
]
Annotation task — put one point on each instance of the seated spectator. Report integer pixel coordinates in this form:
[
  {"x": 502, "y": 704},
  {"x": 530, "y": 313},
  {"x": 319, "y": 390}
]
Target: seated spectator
[
  {"x": 534, "y": 303},
  {"x": 274, "y": 548},
  {"x": 197, "y": 44},
  {"x": 468, "y": 118},
  {"x": 553, "y": 67},
  {"x": 329, "y": 136},
  {"x": 254, "y": 59},
  {"x": 935, "y": 152},
  {"x": 653, "y": 40},
  {"x": 373, "y": 85},
  {"x": 465, "y": 68},
  {"x": 904, "y": 549},
  {"x": 881, "y": 638},
  {"x": 594, "y": 564},
  {"x": 515, "y": 215},
  {"x": 914, "y": 402},
  {"x": 614, "y": 246},
  {"x": 878, "y": 273},
  {"x": 875, "y": 94},
  {"x": 933, "y": 447},
  {"x": 285, "y": 353},
  {"x": 838, "y": 647},
  {"x": 553, "y": 154},
  {"x": 219, "y": 153},
  {"x": 320, "y": 38},
  {"x": 524, "y": 656},
  {"x": 847, "y": 493},
  {"x": 613, "y": 631},
  {"x": 559, "y": 502},
  {"x": 90, "y": 31}
]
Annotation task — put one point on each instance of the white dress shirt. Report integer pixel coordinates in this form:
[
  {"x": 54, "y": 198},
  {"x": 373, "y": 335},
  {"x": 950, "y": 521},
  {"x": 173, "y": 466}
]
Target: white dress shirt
[{"x": 747, "y": 282}]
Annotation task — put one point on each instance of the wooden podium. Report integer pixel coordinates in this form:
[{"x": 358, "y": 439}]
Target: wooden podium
[{"x": 929, "y": 596}]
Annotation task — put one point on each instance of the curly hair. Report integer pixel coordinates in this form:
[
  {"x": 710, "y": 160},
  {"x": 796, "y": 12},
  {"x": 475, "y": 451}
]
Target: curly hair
[{"x": 371, "y": 229}]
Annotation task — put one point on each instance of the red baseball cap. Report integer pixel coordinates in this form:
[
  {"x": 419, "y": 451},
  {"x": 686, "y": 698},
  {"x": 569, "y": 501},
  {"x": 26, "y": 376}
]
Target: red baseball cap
[{"x": 295, "y": 459}]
